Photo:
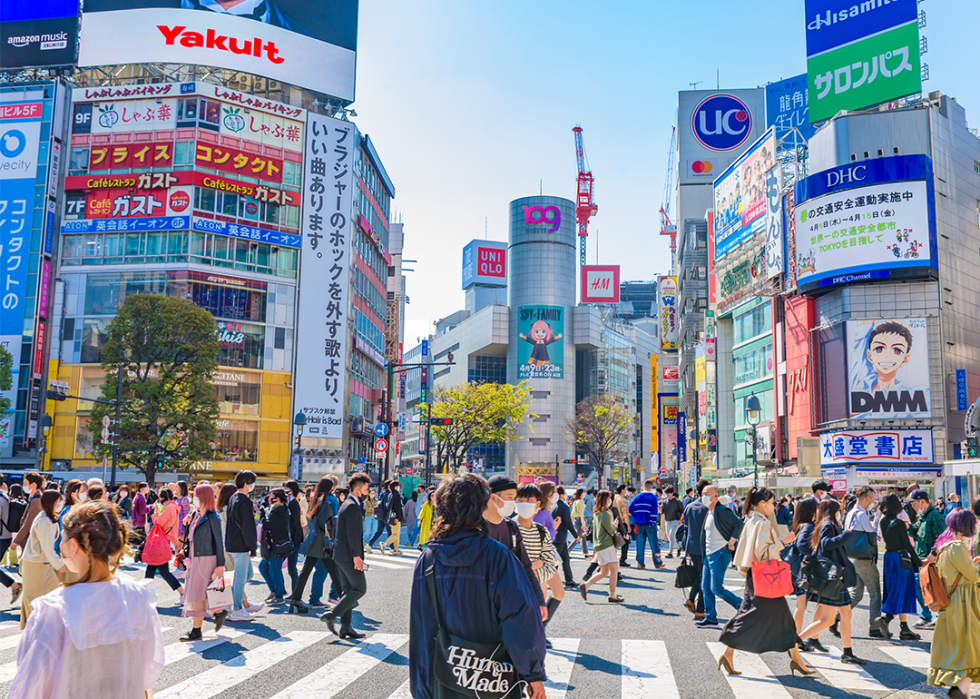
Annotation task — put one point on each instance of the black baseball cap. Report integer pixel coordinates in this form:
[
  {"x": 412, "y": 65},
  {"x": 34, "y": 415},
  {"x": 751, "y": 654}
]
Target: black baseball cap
[
  {"x": 920, "y": 494},
  {"x": 501, "y": 482}
]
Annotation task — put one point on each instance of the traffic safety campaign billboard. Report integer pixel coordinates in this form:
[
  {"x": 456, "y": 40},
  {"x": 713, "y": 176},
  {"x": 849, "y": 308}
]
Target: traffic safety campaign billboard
[
  {"x": 38, "y": 34},
  {"x": 322, "y": 320},
  {"x": 600, "y": 283},
  {"x": 860, "y": 53},
  {"x": 865, "y": 220},
  {"x": 888, "y": 368},
  {"x": 713, "y": 128},
  {"x": 740, "y": 196},
  {"x": 309, "y": 43},
  {"x": 540, "y": 346}
]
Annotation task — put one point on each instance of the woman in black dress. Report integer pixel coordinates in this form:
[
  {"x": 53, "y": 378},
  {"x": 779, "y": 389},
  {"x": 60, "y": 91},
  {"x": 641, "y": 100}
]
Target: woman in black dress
[
  {"x": 828, "y": 541},
  {"x": 761, "y": 624},
  {"x": 899, "y": 573}
]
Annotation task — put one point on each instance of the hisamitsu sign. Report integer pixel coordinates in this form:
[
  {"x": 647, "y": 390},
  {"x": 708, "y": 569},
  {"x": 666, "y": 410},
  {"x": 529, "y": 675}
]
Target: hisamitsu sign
[{"x": 876, "y": 447}]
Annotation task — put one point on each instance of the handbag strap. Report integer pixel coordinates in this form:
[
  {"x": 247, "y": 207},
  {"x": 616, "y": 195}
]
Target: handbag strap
[{"x": 429, "y": 572}]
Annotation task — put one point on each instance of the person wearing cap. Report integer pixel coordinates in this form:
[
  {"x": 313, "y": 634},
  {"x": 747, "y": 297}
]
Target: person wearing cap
[
  {"x": 501, "y": 527},
  {"x": 929, "y": 524}
]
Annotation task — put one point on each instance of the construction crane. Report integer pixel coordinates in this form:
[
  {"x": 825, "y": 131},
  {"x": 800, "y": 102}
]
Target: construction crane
[
  {"x": 585, "y": 207},
  {"x": 666, "y": 227}
]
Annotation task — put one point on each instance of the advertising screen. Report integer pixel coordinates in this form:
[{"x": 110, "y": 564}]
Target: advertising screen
[
  {"x": 740, "y": 196},
  {"x": 888, "y": 368},
  {"x": 863, "y": 221},
  {"x": 540, "y": 352},
  {"x": 600, "y": 283},
  {"x": 667, "y": 408},
  {"x": 38, "y": 34},
  {"x": 668, "y": 312},
  {"x": 788, "y": 106},
  {"x": 322, "y": 318},
  {"x": 307, "y": 43},
  {"x": 485, "y": 263},
  {"x": 860, "y": 53}
]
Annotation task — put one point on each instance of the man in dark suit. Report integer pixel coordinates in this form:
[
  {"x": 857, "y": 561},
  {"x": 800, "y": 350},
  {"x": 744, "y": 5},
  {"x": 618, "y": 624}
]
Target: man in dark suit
[
  {"x": 348, "y": 554},
  {"x": 564, "y": 526},
  {"x": 295, "y": 528}
]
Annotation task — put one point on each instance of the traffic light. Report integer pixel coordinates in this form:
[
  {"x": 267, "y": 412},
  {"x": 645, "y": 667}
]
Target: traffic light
[
  {"x": 441, "y": 421},
  {"x": 972, "y": 448}
]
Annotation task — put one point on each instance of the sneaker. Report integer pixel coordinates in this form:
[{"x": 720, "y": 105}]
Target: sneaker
[
  {"x": 317, "y": 605},
  {"x": 240, "y": 615},
  {"x": 334, "y": 601},
  {"x": 276, "y": 601},
  {"x": 272, "y": 596},
  {"x": 180, "y": 601},
  {"x": 669, "y": 555},
  {"x": 368, "y": 549},
  {"x": 257, "y": 607},
  {"x": 705, "y": 624},
  {"x": 923, "y": 624}
]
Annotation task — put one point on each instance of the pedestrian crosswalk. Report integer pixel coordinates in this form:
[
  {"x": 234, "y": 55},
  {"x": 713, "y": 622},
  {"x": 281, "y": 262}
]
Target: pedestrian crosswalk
[{"x": 646, "y": 668}]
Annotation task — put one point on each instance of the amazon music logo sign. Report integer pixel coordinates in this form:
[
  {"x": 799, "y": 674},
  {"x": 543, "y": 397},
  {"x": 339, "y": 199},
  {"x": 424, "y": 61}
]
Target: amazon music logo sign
[{"x": 721, "y": 122}]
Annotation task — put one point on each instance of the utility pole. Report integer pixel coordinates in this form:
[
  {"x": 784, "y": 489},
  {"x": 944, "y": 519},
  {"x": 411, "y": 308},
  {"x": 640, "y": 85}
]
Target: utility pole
[{"x": 115, "y": 442}]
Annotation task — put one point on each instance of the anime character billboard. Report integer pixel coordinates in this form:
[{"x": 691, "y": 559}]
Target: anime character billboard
[
  {"x": 888, "y": 368},
  {"x": 540, "y": 352}
]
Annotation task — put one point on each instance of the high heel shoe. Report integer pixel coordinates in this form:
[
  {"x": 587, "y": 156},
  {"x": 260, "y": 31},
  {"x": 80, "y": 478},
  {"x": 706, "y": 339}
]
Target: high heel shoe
[
  {"x": 795, "y": 667},
  {"x": 728, "y": 666},
  {"x": 298, "y": 606}
]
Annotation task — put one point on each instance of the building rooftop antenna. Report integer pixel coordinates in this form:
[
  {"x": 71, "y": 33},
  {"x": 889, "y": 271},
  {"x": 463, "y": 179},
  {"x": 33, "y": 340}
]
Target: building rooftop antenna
[{"x": 694, "y": 86}]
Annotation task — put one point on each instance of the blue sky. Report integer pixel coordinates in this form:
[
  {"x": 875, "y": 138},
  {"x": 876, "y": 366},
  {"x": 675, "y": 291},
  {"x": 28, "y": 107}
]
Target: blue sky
[{"x": 471, "y": 104}]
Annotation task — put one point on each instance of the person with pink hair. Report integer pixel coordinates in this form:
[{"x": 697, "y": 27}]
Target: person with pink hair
[
  {"x": 541, "y": 336},
  {"x": 207, "y": 550}
]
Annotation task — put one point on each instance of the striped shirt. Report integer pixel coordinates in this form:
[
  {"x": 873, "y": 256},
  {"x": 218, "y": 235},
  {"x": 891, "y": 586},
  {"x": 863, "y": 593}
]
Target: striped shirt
[{"x": 537, "y": 541}]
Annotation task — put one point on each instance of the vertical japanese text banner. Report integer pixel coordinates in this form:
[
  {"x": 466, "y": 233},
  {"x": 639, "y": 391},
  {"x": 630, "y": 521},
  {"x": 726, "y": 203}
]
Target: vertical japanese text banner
[{"x": 328, "y": 181}]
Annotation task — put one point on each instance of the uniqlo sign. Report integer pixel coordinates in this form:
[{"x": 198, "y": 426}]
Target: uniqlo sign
[{"x": 600, "y": 283}]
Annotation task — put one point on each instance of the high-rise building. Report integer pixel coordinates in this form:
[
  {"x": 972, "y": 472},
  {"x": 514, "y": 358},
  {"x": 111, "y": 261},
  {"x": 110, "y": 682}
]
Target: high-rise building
[{"x": 637, "y": 300}]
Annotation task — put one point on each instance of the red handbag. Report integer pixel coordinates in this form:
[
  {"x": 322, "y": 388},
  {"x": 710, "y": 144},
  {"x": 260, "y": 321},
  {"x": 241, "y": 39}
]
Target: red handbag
[
  {"x": 772, "y": 579},
  {"x": 156, "y": 550}
]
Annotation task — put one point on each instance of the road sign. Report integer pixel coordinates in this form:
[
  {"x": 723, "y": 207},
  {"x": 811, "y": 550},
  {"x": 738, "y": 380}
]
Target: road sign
[
  {"x": 425, "y": 348},
  {"x": 381, "y": 429},
  {"x": 381, "y": 445},
  {"x": 408, "y": 470},
  {"x": 105, "y": 434},
  {"x": 106, "y": 421}
]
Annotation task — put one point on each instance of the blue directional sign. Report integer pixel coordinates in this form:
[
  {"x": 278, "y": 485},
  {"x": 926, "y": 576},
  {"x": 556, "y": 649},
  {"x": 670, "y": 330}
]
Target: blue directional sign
[
  {"x": 425, "y": 348},
  {"x": 381, "y": 429}
]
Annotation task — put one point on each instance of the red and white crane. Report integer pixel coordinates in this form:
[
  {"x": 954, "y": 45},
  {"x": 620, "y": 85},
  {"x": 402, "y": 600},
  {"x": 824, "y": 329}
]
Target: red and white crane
[
  {"x": 585, "y": 207},
  {"x": 666, "y": 227}
]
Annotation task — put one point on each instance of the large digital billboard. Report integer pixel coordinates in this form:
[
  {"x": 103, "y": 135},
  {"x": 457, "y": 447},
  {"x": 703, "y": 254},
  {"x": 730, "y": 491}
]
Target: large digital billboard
[
  {"x": 860, "y": 53},
  {"x": 540, "y": 350},
  {"x": 888, "y": 368},
  {"x": 865, "y": 221},
  {"x": 309, "y": 43},
  {"x": 38, "y": 34},
  {"x": 740, "y": 196},
  {"x": 323, "y": 315}
]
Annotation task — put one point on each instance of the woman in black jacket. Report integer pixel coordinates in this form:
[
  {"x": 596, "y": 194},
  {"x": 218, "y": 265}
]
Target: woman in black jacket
[
  {"x": 828, "y": 541},
  {"x": 318, "y": 545},
  {"x": 803, "y": 520},
  {"x": 275, "y": 540},
  {"x": 899, "y": 571},
  {"x": 205, "y": 563}
]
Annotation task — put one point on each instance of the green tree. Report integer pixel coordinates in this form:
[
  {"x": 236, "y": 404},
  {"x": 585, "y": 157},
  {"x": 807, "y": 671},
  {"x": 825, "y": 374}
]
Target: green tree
[
  {"x": 482, "y": 413},
  {"x": 602, "y": 428},
  {"x": 6, "y": 383},
  {"x": 167, "y": 349}
]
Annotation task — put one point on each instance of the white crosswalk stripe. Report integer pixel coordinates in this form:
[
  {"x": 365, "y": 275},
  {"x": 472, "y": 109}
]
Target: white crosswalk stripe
[
  {"x": 333, "y": 677},
  {"x": 403, "y": 692},
  {"x": 914, "y": 658},
  {"x": 850, "y": 677},
  {"x": 646, "y": 671},
  {"x": 559, "y": 664},
  {"x": 180, "y": 649},
  {"x": 756, "y": 680}
]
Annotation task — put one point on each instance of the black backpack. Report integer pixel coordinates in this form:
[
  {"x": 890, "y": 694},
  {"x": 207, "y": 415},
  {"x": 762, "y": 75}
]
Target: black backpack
[{"x": 15, "y": 514}]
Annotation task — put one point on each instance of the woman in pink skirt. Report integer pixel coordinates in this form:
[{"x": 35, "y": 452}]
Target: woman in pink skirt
[{"x": 207, "y": 549}]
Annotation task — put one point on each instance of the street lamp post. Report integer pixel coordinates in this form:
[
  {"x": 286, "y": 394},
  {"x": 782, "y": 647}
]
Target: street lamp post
[
  {"x": 45, "y": 429},
  {"x": 300, "y": 423},
  {"x": 753, "y": 413}
]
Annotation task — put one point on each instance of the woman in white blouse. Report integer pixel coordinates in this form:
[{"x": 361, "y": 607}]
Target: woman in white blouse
[
  {"x": 98, "y": 637},
  {"x": 39, "y": 563}
]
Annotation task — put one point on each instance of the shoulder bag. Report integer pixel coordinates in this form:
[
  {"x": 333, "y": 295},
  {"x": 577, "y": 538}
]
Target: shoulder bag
[
  {"x": 687, "y": 574},
  {"x": 863, "y": 545},
  {"x": 824, "y": 577},
  {"x": 934, "y": 594},
  {"x": 462, "y": 668},
  {"x": 772, "y": 579}
]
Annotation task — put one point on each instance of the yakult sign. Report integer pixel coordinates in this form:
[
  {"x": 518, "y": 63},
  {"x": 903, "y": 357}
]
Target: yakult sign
[{"x": 485, "y": 263}]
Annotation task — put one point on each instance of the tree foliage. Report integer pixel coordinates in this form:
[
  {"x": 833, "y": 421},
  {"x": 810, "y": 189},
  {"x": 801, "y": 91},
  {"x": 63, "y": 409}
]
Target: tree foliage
[
  {"x": 6, "y": 377},
  {"x": 602, "y": 428},
  {"x": 482, "y": 413},
  {"x": 167, "y": 349}
]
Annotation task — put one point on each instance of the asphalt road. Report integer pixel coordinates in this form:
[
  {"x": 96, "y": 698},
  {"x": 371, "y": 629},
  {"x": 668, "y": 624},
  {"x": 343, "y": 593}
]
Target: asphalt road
[{"x": 647, "y": 647}]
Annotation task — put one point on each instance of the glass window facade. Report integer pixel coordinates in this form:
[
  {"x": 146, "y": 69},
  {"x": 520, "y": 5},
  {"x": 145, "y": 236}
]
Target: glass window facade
[
  {"x": 757, "y": 321},
  {"x": 487, "y": 369},
  {"x": 754, "y": 365}
]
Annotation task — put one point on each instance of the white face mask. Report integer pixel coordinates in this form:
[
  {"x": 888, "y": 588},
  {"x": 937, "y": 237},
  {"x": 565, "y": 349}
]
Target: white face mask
[
  {"x": 197, "y": 503},
  {"x": 554, "y": 500},
  {"x": 526, "y": 510},
  {"x": 506, "y": 508},
  {"x": 82, "y": 496},
  {"x": 706, "y": 500}
]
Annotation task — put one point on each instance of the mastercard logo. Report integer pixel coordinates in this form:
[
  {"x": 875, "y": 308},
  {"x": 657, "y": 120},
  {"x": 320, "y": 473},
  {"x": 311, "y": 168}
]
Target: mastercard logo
[
  {"x": 179, "y": 201},
  {"x": 701, "y": 167}
]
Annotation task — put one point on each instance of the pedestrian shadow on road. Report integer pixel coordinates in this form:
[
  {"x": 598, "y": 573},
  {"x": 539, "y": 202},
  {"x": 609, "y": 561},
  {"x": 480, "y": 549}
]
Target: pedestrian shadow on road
[{"x": 650, "y": 610}]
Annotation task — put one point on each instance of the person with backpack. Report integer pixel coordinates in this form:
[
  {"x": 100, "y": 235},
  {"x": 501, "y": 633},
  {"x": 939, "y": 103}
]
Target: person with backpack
[
  {"x": 954, "y": 658},
  {"x": 317, "y": 547},
  {"x": 468, "y": 587},
  {"x": 11, "y": 511},
  {"x": 33, "y": 486},
  {"x": 929, "y": 523},
  {"x": 381, "y": 514},
  {"x": 276, "y": 546},
  {"x": 159, "y": 560}
]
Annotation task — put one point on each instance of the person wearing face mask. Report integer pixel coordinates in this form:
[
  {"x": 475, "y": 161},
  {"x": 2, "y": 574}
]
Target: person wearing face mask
[
  {"x": 604, "y": 529},
  {"x": 72, "y": 490},
  {"x": 864, "y": 558},
  {"x": 722, "y": 527},
  {"x": 425, "y": 520},
  {"x": 500, "y": 527},
  {"x": 33, "y": 486},
  {"x": 540, "y": 549},
  {"x": 690, "y": 536},
  {"x": 563, "y": 516},
  {"x": 140, "y": 509},
  {"x": 205, "y": 564},
  {"x": 241, "y": 540},
  {"x": 275, "y": 546},
  {"x": 6, "y": 537},
  {"x": 39, "y": 564},
  {"x": 761, "y": 624},
  {"x": 348, "y": 554},
  {"x": 101, "y": 626},
  {"x": 929, "y": 524},
  {"x": 395, "y": 518}
]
